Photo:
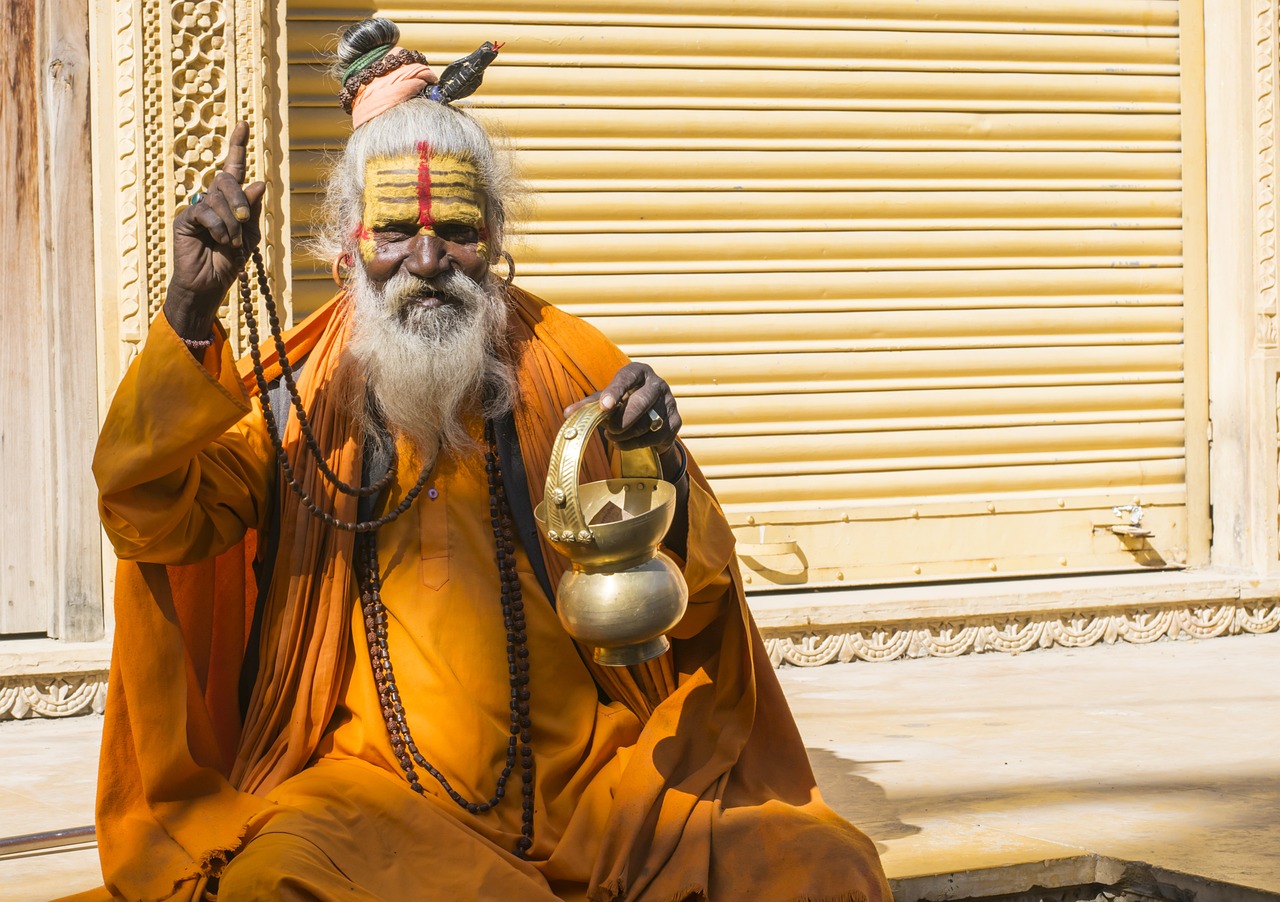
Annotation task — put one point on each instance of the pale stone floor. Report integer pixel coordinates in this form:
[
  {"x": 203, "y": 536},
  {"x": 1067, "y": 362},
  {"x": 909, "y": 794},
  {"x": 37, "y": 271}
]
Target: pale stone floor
[{"x": 1163, "y": 753}]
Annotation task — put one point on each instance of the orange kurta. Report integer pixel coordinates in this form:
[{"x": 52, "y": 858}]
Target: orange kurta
[{"x": 635, "y": 801}]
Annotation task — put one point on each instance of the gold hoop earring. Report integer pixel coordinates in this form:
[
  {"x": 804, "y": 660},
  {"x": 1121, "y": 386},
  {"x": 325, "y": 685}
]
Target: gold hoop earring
[
  {"x": 511, "y": 269},
  {"x": 339, "y": 262}
]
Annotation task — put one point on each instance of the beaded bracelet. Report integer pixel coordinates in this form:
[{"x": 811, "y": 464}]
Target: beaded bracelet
[{"x": 197, "y": 344}]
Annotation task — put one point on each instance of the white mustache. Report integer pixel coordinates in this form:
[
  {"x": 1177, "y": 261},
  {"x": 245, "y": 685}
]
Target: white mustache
[{"x": 452, "y": 287}]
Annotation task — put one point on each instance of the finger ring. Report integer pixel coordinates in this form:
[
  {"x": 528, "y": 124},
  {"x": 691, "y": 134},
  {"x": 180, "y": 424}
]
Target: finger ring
[
  {"x": 655, "y": 421},
  {"x": 195, "y": 198}
]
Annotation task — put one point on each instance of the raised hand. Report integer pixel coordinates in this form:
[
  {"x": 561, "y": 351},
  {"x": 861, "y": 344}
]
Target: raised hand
[{"x": 211, "y": 240}]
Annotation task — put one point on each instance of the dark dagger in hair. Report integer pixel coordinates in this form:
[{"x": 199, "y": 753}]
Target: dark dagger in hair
[{"x": 461, "y": 78}]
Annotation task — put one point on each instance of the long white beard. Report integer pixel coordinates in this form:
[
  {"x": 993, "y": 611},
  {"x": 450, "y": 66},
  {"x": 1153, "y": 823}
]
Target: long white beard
[{"x": 421, "y": 370}]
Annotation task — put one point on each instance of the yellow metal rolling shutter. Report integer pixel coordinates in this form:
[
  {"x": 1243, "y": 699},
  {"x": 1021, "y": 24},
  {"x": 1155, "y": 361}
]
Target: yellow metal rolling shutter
[{"x": 916, "y": 267}]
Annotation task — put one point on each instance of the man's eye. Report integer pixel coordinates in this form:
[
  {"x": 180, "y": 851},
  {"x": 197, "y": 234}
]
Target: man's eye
[
  {"x": 394, "y": 232},
  {"x": 457, "y": 234}
]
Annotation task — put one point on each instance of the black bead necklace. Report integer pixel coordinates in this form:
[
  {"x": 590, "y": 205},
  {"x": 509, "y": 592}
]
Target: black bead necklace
[
  {"x": 375, "y": 612},
  {"x": 269, "y": 415}
]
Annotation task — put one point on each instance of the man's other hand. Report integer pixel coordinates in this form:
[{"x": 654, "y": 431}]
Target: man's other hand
[{"x": 644, "y": 413}]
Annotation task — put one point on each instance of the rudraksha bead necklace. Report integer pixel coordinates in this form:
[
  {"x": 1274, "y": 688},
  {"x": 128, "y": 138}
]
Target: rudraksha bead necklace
[
  {"x": 287, "y": 376},
  {"x": 375, "y": 612},
  {"x": 269, "y": 415},
  {"x": 393, "y": 713}
]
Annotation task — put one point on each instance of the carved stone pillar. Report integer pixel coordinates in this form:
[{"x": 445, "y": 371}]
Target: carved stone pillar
[
  {"x": 1264, "y": 174},
  {"x": 1266, "y": 295},
  {"x": 173, "y": 78}
]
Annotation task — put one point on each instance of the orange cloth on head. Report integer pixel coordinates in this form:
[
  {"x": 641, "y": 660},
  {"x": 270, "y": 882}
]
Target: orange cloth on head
[
  {"x": 715, "y": 774},
  {"x": 386, "y": 91}
]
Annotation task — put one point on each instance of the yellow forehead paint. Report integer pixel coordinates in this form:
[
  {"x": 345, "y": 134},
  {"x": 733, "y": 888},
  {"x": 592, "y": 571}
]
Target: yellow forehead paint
[{"x": 425, "y": 189}]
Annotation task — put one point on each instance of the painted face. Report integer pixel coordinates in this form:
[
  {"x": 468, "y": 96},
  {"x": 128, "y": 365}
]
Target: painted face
[{"x": 420, "y": 208}]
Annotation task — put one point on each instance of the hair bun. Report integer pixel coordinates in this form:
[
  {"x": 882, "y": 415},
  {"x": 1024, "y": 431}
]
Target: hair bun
[{"x": 363, "y": 37}]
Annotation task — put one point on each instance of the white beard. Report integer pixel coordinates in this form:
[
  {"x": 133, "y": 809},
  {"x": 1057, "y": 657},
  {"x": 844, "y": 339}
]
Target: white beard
[{"x": 420, "y": 370}]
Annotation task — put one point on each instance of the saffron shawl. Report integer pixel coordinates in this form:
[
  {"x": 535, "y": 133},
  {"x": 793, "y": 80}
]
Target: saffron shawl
[{"x": 182, "y": 779}]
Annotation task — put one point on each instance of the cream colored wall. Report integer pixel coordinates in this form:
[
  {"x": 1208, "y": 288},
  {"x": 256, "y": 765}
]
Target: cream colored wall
[
  {"x": 156, "y": 134},
  {"x": 1240, "y": 79}
]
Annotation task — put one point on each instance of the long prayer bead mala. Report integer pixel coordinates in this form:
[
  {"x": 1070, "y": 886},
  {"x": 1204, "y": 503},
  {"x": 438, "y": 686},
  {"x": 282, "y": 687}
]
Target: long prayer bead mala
[
  {"x": 375, "y": 622},
  {"x": 251, "y": 323},
  {"x": 375, "y": 612},
  {"x": 287, "y": 376}
]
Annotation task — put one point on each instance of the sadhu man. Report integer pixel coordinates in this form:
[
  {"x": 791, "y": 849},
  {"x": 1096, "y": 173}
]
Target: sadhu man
[{"x": 389, "y": 707}]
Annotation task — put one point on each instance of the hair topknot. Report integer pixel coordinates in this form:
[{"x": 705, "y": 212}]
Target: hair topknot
[{"x": 359, "y": 38}]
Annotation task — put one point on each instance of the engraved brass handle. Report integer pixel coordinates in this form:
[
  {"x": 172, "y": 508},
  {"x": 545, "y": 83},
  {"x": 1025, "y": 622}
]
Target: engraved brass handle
[{"x": 565, "y": 520}]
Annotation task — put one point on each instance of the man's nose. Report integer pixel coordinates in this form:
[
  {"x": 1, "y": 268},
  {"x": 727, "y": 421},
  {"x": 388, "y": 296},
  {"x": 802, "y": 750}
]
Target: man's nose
[{"x": 428, "y": 257}]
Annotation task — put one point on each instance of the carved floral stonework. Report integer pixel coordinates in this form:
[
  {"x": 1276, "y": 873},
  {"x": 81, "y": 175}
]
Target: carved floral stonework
[
  {"x": 66, "y": 695},
  {"x": 62, "y": 695},
  {"x": 184, "y": 72},
  {"x": 1019, "y": 633}
]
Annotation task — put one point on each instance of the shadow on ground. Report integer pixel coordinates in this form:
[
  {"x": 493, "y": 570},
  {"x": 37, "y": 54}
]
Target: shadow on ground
[{"x": 857, "y": 798}]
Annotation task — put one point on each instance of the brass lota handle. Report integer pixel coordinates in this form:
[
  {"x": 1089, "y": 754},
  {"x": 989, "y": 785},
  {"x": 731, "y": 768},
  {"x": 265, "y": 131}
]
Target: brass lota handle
[{"x": 565, "y": 520}]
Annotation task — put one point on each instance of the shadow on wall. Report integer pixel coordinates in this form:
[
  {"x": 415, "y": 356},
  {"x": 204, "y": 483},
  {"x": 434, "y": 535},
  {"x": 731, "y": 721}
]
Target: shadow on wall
[{"x": 858, "y": 799}]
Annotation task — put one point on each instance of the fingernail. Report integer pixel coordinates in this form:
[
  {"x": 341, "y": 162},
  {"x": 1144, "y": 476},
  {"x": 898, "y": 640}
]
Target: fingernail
[
  {"x": 606, "y": 402},
  {"x": 242, "y": 213}
]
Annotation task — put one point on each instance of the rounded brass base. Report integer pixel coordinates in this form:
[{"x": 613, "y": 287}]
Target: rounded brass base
[{"x": 626, "y": 655}]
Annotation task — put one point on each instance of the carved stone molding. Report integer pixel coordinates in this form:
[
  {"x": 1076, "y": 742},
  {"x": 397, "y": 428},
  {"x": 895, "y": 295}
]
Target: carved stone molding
[
  {"x": 181, "y": 74},
  {"x": 57, "y": 695},
  {"x": 1264, "y": 68},
  {"x": 1019, "y": 633}
]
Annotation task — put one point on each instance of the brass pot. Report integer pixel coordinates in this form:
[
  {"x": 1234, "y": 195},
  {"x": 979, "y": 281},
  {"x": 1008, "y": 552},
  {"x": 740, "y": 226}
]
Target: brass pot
[{"x": 622, "y": 594}]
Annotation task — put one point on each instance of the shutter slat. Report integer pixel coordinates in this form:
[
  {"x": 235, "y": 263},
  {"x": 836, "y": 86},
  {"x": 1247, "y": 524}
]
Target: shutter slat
[
  {"x": 939, "y": 409},
  {"x": 722, "y": 89},
  {"x": 809, "y": 492}
]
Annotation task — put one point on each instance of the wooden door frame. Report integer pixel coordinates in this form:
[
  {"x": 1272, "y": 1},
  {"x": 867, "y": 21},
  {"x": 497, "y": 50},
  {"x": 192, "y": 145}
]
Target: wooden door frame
[{"x": 65, "y": 249}]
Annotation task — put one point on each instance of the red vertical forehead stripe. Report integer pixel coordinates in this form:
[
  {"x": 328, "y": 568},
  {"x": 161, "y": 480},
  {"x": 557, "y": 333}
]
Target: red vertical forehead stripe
[{"x": 424, "y": 185}]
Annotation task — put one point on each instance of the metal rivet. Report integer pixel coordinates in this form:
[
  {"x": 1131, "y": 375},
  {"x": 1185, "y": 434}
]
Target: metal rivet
[
  {"x": 1062, "y": 561},
  {"x": 746, "y": 579},
  {"x": 558, "y": 496},
  {"x": 991, "y": 508},
  {"x": 916, "y": 569},
  {"x": 751, "y": 521},
  {"x": 839, "y": 574},
  {"x": 585, "y": 536},
  {"x": 915, "y": 514},
  {"x": 844, "y": 518},
  {"x": 571, "y": 433},
  {"x": 992, "y": 565},
  {"x": 1062, "y": 502}
]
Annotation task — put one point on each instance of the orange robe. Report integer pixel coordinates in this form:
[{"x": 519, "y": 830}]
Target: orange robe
[{"x": 708, "y": 794}]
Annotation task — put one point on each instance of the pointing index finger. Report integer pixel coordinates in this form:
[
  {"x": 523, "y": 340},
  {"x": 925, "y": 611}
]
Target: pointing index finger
[{"x": 237, "y": 151}]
